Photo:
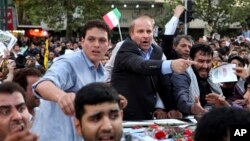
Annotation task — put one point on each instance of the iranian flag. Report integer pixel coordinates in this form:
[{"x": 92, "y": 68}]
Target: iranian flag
[{"x": 112, "y": 18}]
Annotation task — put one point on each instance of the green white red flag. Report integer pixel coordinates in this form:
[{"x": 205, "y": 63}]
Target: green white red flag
[{"x": 112, "y": 18}]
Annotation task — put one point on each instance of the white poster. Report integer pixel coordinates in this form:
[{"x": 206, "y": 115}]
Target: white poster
[
  {"x": 224, "y": 73},
  {"x": 7, "y": 41}
]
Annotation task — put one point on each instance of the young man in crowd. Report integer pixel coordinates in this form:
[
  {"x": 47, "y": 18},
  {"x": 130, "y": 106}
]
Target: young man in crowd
[
  {"x": 54, "y": 121},
  {"x": 234, "y": 91},
  {"x": 98, "y": 113}
]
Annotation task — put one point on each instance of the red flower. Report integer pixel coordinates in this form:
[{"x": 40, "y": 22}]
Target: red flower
[
  {"x": 189, "y": 139},
  {"x": 187, "y": 132},
  {"x": 160, "y": 135}
]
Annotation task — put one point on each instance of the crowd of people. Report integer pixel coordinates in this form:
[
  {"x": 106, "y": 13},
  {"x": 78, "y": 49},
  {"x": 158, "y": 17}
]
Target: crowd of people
[{"x": 91, "y": 86}]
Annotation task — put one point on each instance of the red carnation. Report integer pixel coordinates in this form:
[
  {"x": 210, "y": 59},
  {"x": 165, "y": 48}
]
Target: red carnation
[
  {"x": 160, "y": 135},
  {"x": 187, "y": 132},
  {"x": 189, "y": 139}
]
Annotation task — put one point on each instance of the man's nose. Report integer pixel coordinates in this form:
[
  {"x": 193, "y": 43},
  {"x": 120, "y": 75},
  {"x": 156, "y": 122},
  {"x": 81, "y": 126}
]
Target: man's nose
[
  {"x": 107, "y": 124},
  {"x": 96, "y": 43},
  {"x": 16, "y": 115},
  {"x": 205, "y": 65},
  {"x": 187, "y": 49}
]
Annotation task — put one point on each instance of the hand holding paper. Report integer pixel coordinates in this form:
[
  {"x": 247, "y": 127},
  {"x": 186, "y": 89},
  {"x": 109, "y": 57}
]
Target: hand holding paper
[
  {"x": 241, "y": 72},
  {"x": 7, "y": 41},
  {"x": 224, "y": 73}
]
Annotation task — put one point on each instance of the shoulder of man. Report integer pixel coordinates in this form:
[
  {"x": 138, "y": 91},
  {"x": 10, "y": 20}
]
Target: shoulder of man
[
  {"x": 156, "y": 46},
  {"x": 74, "y": 56},
  {"x": 129, "y": 46}
]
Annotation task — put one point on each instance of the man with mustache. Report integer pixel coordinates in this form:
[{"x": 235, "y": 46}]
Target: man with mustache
[
  {"x": 191, "y": 87},
  {"x": 139, "y": 70},
  {"x": 14, "y": 115}
]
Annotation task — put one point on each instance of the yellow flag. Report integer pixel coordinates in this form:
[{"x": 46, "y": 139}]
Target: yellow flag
[{"x": 46, "y": 54}]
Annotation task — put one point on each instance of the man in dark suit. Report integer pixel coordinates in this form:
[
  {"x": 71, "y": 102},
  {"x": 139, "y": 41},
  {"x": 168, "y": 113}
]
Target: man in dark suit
[{"x": 139, "y": 71}]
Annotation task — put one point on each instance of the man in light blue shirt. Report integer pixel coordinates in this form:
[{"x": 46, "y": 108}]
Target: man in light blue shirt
[{"x": 54, "y": 121}]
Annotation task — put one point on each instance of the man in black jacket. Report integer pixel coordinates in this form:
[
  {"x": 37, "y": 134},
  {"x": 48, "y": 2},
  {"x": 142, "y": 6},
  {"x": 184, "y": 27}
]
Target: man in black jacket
[{"x": 138, "y": 70}]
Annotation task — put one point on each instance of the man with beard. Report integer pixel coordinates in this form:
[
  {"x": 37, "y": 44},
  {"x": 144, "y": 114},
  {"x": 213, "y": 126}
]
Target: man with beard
[
  {"x": 98, "y": 113},
  {"x": 191, "y": 87},
  {"x": 26, "y": 77},
  {"x": 14, "y": 115}
]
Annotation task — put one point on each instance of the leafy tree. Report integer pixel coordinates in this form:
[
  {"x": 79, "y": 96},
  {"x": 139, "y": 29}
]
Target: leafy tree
[
  {"x": 168, "y": 6},
  {"x": 222, "y": 12},
  {"x": 62, "y": 14}
]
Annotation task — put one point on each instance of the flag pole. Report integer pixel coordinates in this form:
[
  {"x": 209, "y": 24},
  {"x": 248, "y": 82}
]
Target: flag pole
[
  {"x": 46, "y": 54},
  {"x": 120, "y": 30}
]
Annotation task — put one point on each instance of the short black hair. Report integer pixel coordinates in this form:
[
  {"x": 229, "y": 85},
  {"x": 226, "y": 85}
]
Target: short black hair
[
  {"x": 92, "y": 94},
  {"x": 236, "y": 57},
  {"x": 235, "y": 43},
  {"x": 98, "y": 24},
  {"x": 215, "y": 125},
  {"x": 21, "y": 75},
  {"x": 178, "y": 38},
  {"x": 204, "y": 49},
  {"x": 10, "y": 87}
]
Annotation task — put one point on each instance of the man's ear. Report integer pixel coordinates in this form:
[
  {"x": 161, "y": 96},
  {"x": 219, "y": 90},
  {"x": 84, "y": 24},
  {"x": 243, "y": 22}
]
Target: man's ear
[{"x": 78, "y": 126}]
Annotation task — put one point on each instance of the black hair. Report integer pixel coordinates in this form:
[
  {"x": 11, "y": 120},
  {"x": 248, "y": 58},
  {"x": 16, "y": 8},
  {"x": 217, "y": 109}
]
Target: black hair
[
  {"x": 92, "y": 94},
  {"x": 10, "y": 87},
  {"x": 178, "y": 38},
  {"x": 20, "y": 61},
  {"x": 235, "y": 43},
  {"x": 215, "y": 125},
  {"x": 20, "y": 76},
  {"x": 236, "y": 57},
  {"x": 204, "y": 49},
  {"x": 98, "y": 24}
]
